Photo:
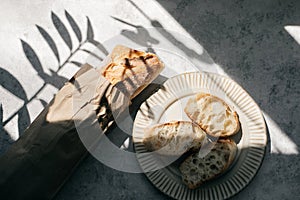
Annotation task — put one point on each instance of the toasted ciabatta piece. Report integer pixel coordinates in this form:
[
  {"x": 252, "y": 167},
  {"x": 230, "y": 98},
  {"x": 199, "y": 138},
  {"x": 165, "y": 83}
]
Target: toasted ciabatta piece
[
  {"x": 213, "y": 115},
  {"x": 196, "y": 170},
  {"x": 173, "y": 138},
  {"x": 131, "y": 70}
]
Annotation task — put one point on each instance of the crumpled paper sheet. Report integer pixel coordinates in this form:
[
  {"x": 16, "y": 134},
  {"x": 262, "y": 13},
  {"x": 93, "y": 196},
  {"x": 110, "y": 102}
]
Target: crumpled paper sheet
[{"x": 37, "y": 165}]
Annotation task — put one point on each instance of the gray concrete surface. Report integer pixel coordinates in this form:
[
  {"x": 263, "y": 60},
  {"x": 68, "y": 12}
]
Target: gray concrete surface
[{"x": 256, "y": 43}]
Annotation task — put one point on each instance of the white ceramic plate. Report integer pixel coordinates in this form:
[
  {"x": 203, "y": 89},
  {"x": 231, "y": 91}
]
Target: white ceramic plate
[{"x": 167, "y": 104}]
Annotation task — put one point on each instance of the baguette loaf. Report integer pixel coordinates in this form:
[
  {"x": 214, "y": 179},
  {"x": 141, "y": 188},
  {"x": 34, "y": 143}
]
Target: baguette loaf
[
  {"x": 53, "y": 137},
  {"x": 196, "y": 170},
  {"x": 174, "y": 138},
  {"x": 131, "y": 70},
  {"x": 213, "y": 115}
]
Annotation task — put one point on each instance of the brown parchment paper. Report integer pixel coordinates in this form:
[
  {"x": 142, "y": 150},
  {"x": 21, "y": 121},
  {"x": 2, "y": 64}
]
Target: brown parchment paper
[{"x": 41, "y": 160}]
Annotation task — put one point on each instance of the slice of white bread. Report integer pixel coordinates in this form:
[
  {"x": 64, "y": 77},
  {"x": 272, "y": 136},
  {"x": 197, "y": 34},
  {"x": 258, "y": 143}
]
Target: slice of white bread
[
  {"x": 213, "y": 115},
  {"x": 196, "y": 170},
  {"x": 173, "y": 138}
]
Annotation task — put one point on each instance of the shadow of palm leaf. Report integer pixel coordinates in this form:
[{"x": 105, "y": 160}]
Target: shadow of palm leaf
[
  {"x": 4, "y": 136},
  {"x": 141, "y": 37},
  {"x": 62, "y": 30},
  {"x": 49, "y": 41},
  {"x": 32, "y": 57},
  {"x": 167, "y": 35},
  {"x": 92, "y": 54},
  {"x": 90, "y": 37},
  {"x": 1, "y": 116},
  {"x": 74, "y": 26},
  {"x": 43, "y": 102},
  {"x": 53, "y": 79},
  {"x": 10, "y": 83},
  {"x": 23, "y": 119},
  {"x": 78, "y": 64}
]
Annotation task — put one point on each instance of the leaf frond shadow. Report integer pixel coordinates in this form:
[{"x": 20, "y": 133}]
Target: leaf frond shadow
[{"x": 10, "y": 83}]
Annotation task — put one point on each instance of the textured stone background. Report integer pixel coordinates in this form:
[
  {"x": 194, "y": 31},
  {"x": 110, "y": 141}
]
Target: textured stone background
[{"x": 256, "y": 43}]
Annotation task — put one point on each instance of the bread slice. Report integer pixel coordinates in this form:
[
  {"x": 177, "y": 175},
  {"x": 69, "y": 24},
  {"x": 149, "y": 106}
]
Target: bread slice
[
  {"x": 174, "y": 138},
  {"x": 213, "y": 115},
  {"x": 196, "y": 170},
  {"x": 131, "y": 70}
]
